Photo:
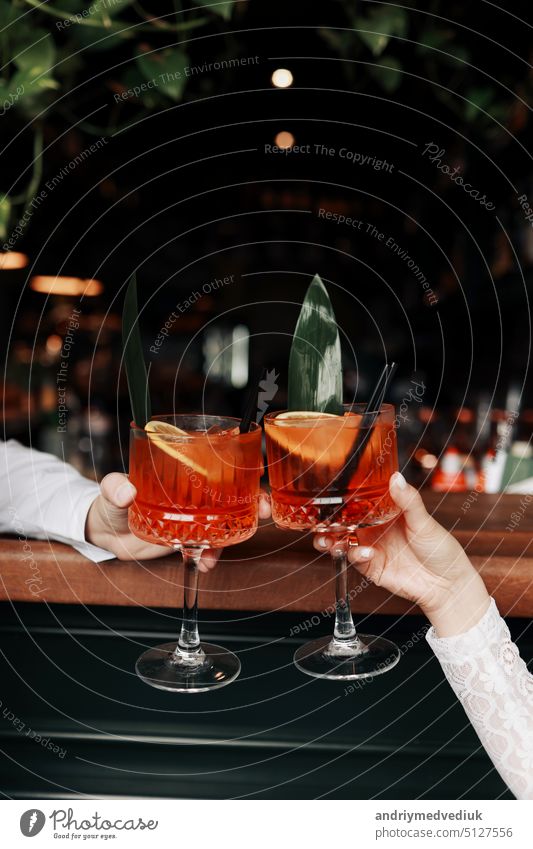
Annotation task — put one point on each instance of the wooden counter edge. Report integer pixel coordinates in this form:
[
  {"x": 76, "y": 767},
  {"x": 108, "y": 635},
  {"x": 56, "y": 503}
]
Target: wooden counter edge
[{"x": 294, "y": 581}]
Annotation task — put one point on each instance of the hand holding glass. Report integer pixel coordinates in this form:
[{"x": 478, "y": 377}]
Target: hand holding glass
[
  {"x": 306, "y": 455},
  {"x": 197, "y": 481}
]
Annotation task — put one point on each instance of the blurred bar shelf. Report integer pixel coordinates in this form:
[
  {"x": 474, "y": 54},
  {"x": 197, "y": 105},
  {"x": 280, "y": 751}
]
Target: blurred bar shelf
[{"x": 279, "y": 571}]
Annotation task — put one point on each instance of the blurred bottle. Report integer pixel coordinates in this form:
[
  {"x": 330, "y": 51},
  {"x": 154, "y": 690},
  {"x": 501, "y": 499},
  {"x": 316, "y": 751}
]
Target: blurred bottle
[
  {"x": 50, "y": 439},
  {"x": 491, "y": 473},
  {"x": 470, "y": 471},
  {"x": 519, "y": 464},
  {"x": 449, "y": 475}
]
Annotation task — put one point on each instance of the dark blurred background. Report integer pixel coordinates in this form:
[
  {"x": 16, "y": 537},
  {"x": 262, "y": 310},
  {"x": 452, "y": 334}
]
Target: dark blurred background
[{"x": 136, "y": 138}]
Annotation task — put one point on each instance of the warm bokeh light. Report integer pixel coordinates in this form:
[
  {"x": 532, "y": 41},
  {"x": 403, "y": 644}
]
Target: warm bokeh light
[
  {"x": 426, "y": 460},
  {"x": 465, "y": 416},
  {"x": 70, "y": 286},
  {"x": 10, "y": 260},
  {"x": 282, "y": 78},
  {"x": 426, "y": 414},
  {"x": 53, "y": 344},
  {"x": 284, "y": 140},
  {"x": 429, "y": 461}
]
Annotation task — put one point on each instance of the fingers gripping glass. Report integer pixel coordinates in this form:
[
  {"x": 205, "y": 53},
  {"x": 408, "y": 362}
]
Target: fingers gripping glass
[
  {"x": 197, "y": 481},
  {"x": 316, "y": 486}
]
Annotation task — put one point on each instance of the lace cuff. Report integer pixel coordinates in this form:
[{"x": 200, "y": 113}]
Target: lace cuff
[
  {"x": 489, "y": 631},
  {"x": 495, "y": 688}
]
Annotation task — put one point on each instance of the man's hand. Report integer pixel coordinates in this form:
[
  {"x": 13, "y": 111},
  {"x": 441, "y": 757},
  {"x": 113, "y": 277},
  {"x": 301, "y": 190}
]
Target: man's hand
[{"x": 107, "y": 524}]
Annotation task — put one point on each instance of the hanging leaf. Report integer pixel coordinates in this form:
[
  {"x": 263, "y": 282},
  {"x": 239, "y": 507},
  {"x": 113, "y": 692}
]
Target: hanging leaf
[
  {"x": 111, "y": 9},
  {"x": 341, "y": 42},
  {"x": 132, "y": 79},
  {"x": 166, "y": 70},
  {"x": 377, "y": 29},
  {"x": 5, "y": 212},
  {"x": 478, "y": 100},
  {"x": 315, "y": 366},
  {"x": 388, "y": 73},
  {"x": 36, "y": 57},
  {"x": 8, "y": 14},
  {"x": 224, "y": 8},
  {"x": 440, "y": 44},
  {"x": 94, "y": 38},
  {"x": 134, "y": 358},
  {"x": 96, "y": 30}
]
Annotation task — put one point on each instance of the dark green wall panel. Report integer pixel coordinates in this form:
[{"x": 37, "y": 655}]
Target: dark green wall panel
[{"x": 67, "y": 674}]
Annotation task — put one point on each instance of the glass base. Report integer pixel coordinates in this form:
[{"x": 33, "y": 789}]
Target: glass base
[
  {"x": 207, "y": 669},
  {"x": 363, "y": 657}
]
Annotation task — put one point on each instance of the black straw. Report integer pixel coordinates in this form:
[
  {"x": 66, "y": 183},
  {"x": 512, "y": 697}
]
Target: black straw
[
  {"x": 366, "y": 428},
  {"x": 250, "y": 407},
  {"x": 372, "y": 403}
]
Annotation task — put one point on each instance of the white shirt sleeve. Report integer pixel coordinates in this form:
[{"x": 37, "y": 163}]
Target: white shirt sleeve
[
  {"x": 495, "y": 688},
  {"x": 42, "y": 497}
]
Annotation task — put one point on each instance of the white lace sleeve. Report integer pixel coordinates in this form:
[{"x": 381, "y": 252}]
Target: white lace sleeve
[{"x": 494, "y": 686}]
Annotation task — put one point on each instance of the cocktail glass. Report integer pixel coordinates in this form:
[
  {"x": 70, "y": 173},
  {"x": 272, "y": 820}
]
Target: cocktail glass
[
  {"x": 197, "y": 481},
  {"x": 306, "y": 455}
]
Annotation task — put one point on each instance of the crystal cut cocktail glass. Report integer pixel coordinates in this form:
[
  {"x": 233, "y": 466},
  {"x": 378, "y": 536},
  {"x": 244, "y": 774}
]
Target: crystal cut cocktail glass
[
  {"x": 197, "y": 481},
  {"x": 317, "y": 486}
]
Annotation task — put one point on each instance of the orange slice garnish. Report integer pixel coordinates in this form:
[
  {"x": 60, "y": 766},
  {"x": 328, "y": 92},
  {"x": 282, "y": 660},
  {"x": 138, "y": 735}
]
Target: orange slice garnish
[
  {"x": 312, "y": 437},
  {"x": 295, "y": 415},
  {"x": 158, "y": 433}
]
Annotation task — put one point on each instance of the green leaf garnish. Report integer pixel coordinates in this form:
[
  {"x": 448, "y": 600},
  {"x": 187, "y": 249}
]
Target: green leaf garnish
[
  {"x": 134, "y": 358},
  {"x": 315, "y": 365}
]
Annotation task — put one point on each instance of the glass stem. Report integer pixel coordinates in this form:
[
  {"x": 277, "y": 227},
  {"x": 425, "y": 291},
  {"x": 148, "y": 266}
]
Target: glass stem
[
  {"x": 189, "y": 639},
  {"x": 344, "y": 628}
]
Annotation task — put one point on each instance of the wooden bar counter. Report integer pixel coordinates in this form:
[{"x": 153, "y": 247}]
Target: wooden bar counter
[{"x": 276, "y": 570}]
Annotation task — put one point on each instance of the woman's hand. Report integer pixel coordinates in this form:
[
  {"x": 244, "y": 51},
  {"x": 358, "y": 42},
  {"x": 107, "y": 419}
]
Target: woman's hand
[
  {"x": 107, "y": 524},
  {"x": 416, "y": 558}
]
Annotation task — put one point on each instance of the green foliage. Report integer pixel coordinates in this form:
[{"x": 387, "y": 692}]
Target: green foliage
[
  {"x": 439, "y": 44},
  {"x": 28, "y": 55},
  {"x": 34, "y": 59},
  {"x": 388, "y": 72},
  {"x": 478, "y": 100},
  {"x": 35, "y": 53},
  {"x": 388, "y": 34},
  {"x": 315, "y": 366},
  {"x": 8, "y": 13},
  {"x": 373, "y": 32},
  {"x": 167, "y": 69},
  {"x": 49, "y": 50},
  {"x": 376, "y": 29},
  {"x": 224, "y": 8},
  {"x": 5, "y": 211},
  {"x": 112, "y": 8}
]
